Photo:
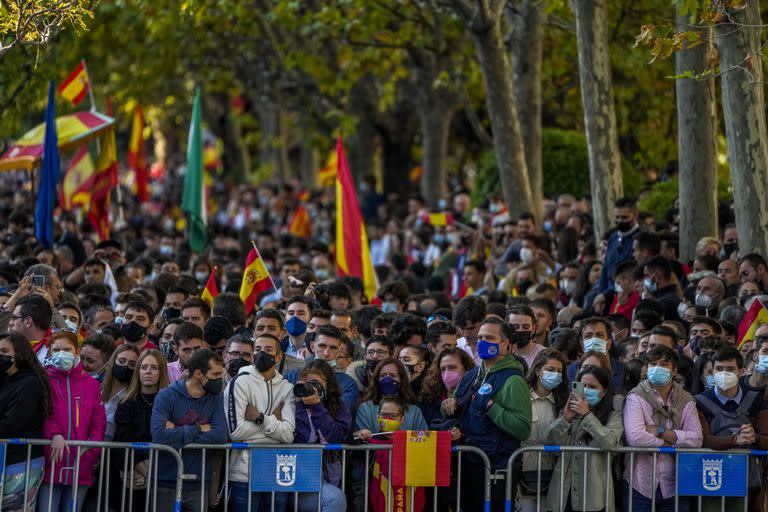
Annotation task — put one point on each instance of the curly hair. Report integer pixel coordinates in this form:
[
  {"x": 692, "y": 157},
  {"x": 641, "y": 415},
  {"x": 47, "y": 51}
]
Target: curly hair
[
  {"x": 433, "y": 388},
  {"x": 332, "y": 400}
]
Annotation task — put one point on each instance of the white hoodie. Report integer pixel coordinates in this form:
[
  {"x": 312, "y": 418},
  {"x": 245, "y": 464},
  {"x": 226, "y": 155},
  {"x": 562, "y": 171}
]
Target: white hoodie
[{"x": 251, "y": 388}]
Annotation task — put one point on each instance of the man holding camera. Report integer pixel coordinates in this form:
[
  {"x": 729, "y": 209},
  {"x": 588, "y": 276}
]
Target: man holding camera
[{"x": 259, "y": 407}]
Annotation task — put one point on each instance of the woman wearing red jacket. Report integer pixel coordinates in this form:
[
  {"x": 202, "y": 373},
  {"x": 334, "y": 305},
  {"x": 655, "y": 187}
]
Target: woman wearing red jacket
[{"x": 77, "y": 415}]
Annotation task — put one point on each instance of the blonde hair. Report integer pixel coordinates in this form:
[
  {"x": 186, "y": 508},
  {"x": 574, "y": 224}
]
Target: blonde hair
[{"x": 134, "y": 388}]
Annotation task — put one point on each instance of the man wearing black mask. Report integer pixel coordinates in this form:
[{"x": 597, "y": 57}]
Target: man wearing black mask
[
  {"x": 237, "y": 354},
  {"x": 259, "y": 407},
  {"x": 522, "y": 321},
  {"x": 136, "y": 320},
  {"x": 377, "y": 348}
]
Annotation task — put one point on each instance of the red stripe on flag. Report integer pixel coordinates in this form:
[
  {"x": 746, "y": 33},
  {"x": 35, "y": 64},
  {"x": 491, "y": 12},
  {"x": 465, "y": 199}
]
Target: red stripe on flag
[
  {"x": 80, "y": 97},
  {"x": 443, "y": 460},
  {"x": 749, "y": 319},
  {"x": 71, "y": 78}
]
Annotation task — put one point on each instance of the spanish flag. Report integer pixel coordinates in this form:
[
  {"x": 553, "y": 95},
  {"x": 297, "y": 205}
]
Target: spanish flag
[
  {"x": 300, "y": 225},
  {"x": 256, "y": 280},
  {"x": 78, "y": 181},
  {"x": 421, "y": 458},
  {"x": 757, "y": 315},
  {"x": 353, "y": 256},
  {"x": 438, "y": 219},
  {"x": 327, "y": 175},
  {"x": 137, "y": 155},
  {"x": 75, "y": 87},
  {"x": 211, "y": 289},
  {"x": 104, "y": 179},
  {"x": 386, "y": 496}
]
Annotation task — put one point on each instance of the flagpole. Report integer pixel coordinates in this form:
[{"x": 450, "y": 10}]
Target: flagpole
[
  {"x": 258, "y": 254},
  {"x": 90, "y": 87}
]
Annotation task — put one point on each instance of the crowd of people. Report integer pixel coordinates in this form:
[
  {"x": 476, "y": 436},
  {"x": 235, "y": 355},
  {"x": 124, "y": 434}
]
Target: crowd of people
[{"x": 505, "y": 332}]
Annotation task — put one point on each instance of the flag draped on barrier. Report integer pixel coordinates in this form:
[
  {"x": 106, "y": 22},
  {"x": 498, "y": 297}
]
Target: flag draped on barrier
[{"x": 421, "y": 458}]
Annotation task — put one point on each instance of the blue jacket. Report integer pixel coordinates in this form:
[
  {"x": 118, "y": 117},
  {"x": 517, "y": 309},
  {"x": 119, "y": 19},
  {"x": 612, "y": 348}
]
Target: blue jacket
[
  {"x": 175, "y": 405},
  {"x": 346, "y": 383},
  {"x": 619, "y": 249}
]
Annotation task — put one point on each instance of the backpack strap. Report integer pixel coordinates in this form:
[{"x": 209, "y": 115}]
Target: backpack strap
[{"x": 711, "y": 408}]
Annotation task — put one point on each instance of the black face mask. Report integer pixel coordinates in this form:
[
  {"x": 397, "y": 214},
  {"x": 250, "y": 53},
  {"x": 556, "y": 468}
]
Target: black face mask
[
  {"x": 264, "y": 362},
  {"x": 122, "y": 374},
  {"x": 234, "y": 366},
  {"x": 132, "y": 332},
  {"x": 371, "y": 364},
  {"x": 171, "y": 313},
  {"x": 521, "y": 338},
  {"x": 214, "y": 387},
  {"x": 729, "y": 249},
  {"x": 523, "y": 286},
  {"x": 5, "y": 363},
  {"x": 623, "y": 226}
]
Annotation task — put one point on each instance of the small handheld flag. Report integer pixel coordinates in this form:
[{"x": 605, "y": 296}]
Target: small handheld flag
[
  {"x": 76, "y": 86},
  {"x": 211, "y": 289},
  {"x": 256, "y": 279},
  {"x": 757, "y": 314}
]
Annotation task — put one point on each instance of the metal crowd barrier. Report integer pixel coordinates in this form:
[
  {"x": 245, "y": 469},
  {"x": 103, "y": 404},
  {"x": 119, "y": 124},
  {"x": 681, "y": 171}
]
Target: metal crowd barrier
[
  {"x": 102, "y": 476},
  {"x": 630, "y": 453},
  {"x": 344, "y": 449}
]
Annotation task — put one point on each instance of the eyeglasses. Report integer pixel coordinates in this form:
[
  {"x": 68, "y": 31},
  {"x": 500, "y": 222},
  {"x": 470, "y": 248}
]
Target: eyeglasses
[
  {"x": 237, "y": 355},
  {"x": 379, "y": 353},
  {"x": 389, "y": 415},
  {"x": 17, "y": 317}
]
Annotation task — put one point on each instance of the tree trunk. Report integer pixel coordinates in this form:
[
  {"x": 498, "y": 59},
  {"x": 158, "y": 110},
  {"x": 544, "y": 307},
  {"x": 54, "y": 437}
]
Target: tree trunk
[
  {"x": 599, "y": 115},
  {"x": 396, "y": 153},
  {"x": 435, "y": 117},
  {"x": 502, "y": 110},
  {"x": 745, "y": 124},
  {"x": 526, "y": 50},
  {"x": 697, "y": 147},
  {"x": 309, "y": 161},
  {"x": 361, "y": 143},
  {"x": 274, "y": 137}
]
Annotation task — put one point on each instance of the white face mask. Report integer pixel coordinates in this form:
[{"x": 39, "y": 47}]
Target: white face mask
[
  {"x": 567, "y": 286},
  {"x": 703, "y": 300},
  {"x": 618, "y": 288},
  {"x": 526, "y": 255},
  {"x": 726, "y": 380},
  {"x": 596, "y": 344}
]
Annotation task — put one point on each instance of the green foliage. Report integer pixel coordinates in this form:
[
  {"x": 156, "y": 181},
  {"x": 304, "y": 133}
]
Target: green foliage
[
  {"x": 661, "y": 197},
  {"x": 565, "y": 163}
]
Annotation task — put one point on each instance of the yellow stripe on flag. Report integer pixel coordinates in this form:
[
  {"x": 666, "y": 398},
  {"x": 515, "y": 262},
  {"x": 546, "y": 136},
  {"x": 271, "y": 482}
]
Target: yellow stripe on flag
[{"x": 424, "y": 451}]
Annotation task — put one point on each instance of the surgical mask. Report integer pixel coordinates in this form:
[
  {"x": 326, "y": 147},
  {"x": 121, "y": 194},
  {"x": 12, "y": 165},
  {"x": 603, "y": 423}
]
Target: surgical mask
[
  {"x": 451, "y": 379},
  {"x": 332, "y": 363},
  {"x": 63, "y": 361},
  {"x": 122, "y": 373},
  {"x": 388, "y": 307},
  {"x": 388, "y": 425},
  {"x": 5, "y": 363},
  {"x": 166, "y": 250},
  {"x": 263, "y": 361},
  {"x": 214, "y": 386},
  {"x": 439, "y": 239},
  {"x": 388, "y": 386},
  {"x": 119, "y": 320},
  {"x": 762, "y": 364},
  {"x": 233, "y": 367},
  {"x": 296, "y": 326},
  {"x": 201, "y": 277},
  {"x": 494, "y": 207},
  {"x": 486, "y": 349},
  {"x": 618, "y": 288},
  {"x": 550, "y": 380},
  {"x": 548, "y": 226},
  {"x": 132, "y": 332},
  {"x": 592, "y": 396},
  {"x": 567, "y": 286},
  {"x": 521, "y": 338},
  {"x": 726, "y": 380},
  {"x": 703, "y": 300},
  {"x": 596, "y": 344},
  {"x": 649, "y": 285},
  {"x": 322, "y": 274},
  {"x": 681, "y": 309},
  {"x": 659, "y": 375},
  {"x": 526, "y": 255},
  {"x": 710, "y": 381},
  {"x": 442, "y": 204}
]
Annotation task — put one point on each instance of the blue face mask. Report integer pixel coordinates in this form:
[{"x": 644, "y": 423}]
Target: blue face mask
[
  {"x": 596, "y": 344},
  {"x": 659, "y": 375},
  {"x": 388, "y": 386},
  {"x": 388, "y": 307},
  {"x": 762, "y": 364},
  {"x": 486, "y": 349},
  {"x": 63, "y": 361},
  {"x": 550, "y": 380},
  {"x": 296, "y": 326},
  {"x": 649, "y": 285},
  {"x": 710, "y": 381},
  {"x": 592, "y": 396}
]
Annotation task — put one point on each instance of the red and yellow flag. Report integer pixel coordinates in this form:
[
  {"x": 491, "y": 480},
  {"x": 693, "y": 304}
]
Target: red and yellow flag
[
  {"x": 78, "y": 181},
  {"x": 327, "y": 175},
  {"x": 429, "y": 454},
  {"x": 386, "y": 496},
  {"x": 300, "y": 225},
  {"x": 757, "y": 315},
  {"x": 75, "y": 87},
  {"x": 104, "y": 179},
  {"x": 137, "y": 155},
  {"x": 256, "y": 280},
  {"x": 211, "y": 289},
  {"x": 438, "y": 219},
  {"x": 353, "y": 255}
]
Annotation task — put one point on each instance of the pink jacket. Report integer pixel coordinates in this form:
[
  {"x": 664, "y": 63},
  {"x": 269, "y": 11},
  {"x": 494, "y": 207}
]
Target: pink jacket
[{"x": 78, "y": 414}]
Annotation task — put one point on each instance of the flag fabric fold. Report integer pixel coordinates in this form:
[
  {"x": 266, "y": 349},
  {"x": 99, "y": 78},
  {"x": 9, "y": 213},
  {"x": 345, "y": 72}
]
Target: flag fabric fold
[
  {"x": 137, "y": 155},
  {"x": 50, "y": 175},
  {"x": 429, "y": 454},
  {"x": 757, "y": 315},
  {"x": 300, "y": 225},
  {"x": 326, "y": 176},
  {"x": 77, "y": 181},
  {"x": 211, "y": 289},
  {"x": 75, "y": 87},
  {"x": 104, "y": 179},
  {"x": 193, "y": 200},
  {"x": 353, "y": 256},
  {"x": 256, "y": 280}
]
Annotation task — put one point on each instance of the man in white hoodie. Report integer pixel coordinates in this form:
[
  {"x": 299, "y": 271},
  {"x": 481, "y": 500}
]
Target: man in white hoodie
[{"x": 259, "y": 407}]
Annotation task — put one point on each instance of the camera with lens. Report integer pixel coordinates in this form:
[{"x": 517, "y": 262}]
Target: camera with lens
[
  {"x": 305, "y": 389},
  {"x": 321, "y": 288}
]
